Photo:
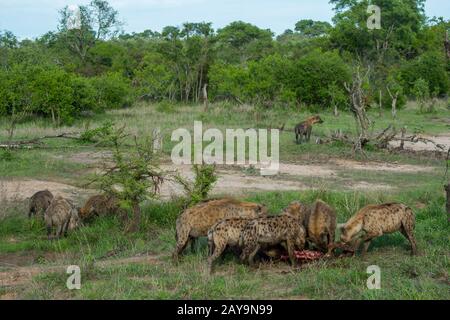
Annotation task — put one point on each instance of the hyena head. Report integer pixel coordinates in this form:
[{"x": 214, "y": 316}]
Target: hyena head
[
  {"x": 347, "y": 232},
  {"x": 296, "y": 209},
  {"x": 315, "y": 120},
  {"x": 262, "y": 210}
]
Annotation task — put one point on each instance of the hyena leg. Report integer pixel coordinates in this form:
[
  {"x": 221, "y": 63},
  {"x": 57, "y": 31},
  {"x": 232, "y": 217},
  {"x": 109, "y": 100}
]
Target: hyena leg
[
  {"x": 216, "y": 253},
  {"x": 308, "y": 134},
  {"x": 367, "y": 239},
  {"x": 182, "y": 242},
  {"x": 251, "y": 257},
  {"x": 59, "y": 231},
  {"x": 49, "y": 231},
  {"x": 290, "y": 248},
  {"x": 409, "y": 234},
  {"x": 66, "y": 227}
]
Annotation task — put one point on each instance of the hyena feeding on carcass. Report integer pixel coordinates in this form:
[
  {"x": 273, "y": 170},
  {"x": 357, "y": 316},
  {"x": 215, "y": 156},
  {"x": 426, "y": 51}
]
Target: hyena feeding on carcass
[
  {"x": 195, "y": 222},
  {"x": 262, "y": 233},
  {"x": 100, "y": 206},
  {"x": 63, "y": 215},
  {"x": 39, "y": 202},
  {"x": 376, "y": 220},
  {"x": 321, "y": 225}
]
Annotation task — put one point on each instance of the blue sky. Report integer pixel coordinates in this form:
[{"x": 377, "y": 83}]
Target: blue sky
[{"x": 31, "y": 18}]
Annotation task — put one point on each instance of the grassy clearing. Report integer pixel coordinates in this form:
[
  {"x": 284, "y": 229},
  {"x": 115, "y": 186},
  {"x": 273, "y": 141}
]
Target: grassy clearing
[
  {"x": 101, "y": 248},
  {"x": 403, "y": 277}
]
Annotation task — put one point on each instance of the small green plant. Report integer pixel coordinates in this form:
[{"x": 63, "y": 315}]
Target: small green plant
[
  {"x": 422, "y": 93},
  {"x": 204, "y": 181},
  {"x": 6, "y": 155},
  {"x": 98, "y": 134}
]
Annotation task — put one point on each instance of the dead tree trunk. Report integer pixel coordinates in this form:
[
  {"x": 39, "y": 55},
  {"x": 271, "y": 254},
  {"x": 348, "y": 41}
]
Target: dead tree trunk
[
  {"x": 358, "y": 100},
  {"x": 205, "y": 97},
  {"x": 394, "y": 98},
  {"x": 133, "y": 225}
]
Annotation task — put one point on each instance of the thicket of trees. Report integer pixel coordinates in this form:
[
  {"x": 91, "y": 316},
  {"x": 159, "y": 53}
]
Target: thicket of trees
[{"x": 96, "y": 66}]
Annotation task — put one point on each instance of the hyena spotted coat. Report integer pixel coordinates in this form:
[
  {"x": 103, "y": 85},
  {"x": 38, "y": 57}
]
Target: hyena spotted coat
[
  {"x": 195, "y": 222},
  {"x": 303, "y": 130},
  {"x": 223, "y": 234},
  {"x": 39, "y": 202},
  {"x": 377, "y": 220},
  {"x": 62, "y": 215},
  {"x": 286, "y": 229},
  {"x": 321, "y": 225},
  {"x": 100, "y": 206}
]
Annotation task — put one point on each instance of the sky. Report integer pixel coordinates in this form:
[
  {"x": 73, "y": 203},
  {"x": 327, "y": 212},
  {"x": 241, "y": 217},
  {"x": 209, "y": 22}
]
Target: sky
[{"x": 32, "y": 18}]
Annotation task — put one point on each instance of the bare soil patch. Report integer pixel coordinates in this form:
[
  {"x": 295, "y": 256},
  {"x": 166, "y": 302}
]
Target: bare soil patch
[{"x": 443, "y": 140}]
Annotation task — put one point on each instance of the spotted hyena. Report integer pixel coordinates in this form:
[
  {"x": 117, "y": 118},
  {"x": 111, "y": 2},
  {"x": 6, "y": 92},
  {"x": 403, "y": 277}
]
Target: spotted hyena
[
  {"x": 100, "y": 206},
  {"x": 303, "y": 130},
  {"x": 321, "y": 225},
  {"x": 195, "y": 222},
  {"x": 39, "y": 202},
  {"x": 286, "y": 229},
  {"x": 223, "y": 234},
  {"x": 376, "y": 220},
  {"x": 62, "y": 215}
]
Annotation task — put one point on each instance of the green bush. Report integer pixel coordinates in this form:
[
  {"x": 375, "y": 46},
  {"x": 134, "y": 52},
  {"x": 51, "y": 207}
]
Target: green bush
[
  {"x": 113, "y": 91},
  {"x": 431, "y": 67}
]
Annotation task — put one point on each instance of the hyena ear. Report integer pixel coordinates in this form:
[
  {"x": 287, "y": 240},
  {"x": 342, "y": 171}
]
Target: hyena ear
[{"x": 341, "y": 226}]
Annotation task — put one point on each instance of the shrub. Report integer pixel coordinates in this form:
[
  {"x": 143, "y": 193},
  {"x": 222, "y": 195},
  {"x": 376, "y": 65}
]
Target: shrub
[{"x": 113, "y": 91}]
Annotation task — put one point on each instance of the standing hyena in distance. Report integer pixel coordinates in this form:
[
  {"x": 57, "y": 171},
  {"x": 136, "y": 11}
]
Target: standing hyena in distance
[
  {"x": 195, "y": 222},
  {"x": 304, "y": 129},
  {"x": 321, "y": 225},
  {"x": 39, "y": 202},
  {"x": 376, "y": 220},
  {"x": 63, "y": 215},
  {"x": 286, "y": 229}
]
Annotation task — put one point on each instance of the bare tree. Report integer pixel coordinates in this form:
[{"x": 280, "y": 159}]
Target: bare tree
[
  {"x": 394, "y": 98},
  {"x": 358, "y": 101}
]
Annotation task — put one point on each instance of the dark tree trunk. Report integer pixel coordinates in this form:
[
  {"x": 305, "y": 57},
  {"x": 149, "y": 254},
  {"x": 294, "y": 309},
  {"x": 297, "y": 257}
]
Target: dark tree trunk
[{"x": 133, "y": 225}]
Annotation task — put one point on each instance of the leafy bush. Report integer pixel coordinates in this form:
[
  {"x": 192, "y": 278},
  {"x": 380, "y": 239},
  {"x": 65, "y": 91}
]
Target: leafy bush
[
  {"x": 113, "y": 91},
  {"x": 431, "y": 67}
]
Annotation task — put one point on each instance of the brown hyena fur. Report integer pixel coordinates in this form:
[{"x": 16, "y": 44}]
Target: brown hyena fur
[
  {"x": 39, "y": 202},
  {"x": 63, "y": 215},
  {"x": 100, "y": 206},
  {"x": 223, "y": 234},
  {"x": 376, "y": 220},
  {"x": 321, "y": 225},
  {"x": 195, "y": 222},
  {"x": 285, "y": 229},
  {"x": 304, "y": 129}
]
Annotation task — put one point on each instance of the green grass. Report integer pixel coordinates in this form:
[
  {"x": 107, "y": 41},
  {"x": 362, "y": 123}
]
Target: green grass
[
  {"x": 403, "y": 277},
  {"x": 97, "y": 247}
]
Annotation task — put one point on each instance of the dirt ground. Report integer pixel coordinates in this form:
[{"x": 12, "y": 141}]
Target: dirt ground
[{"x": 443, "y": 140}]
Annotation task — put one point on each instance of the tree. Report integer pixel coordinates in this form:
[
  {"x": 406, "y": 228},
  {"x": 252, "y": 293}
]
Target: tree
[
  {"x": 312, "y": 29},
  {"x": 94, "y": 22},
  {"x": 395, "y": 91},
  {"x": 402, "y": 22},
  {"x": 421, "y": 91},
  {"x": 133, "y": 176},
  {"x": 240, "y": 42},
  {"x": 358, "y": 97}
]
